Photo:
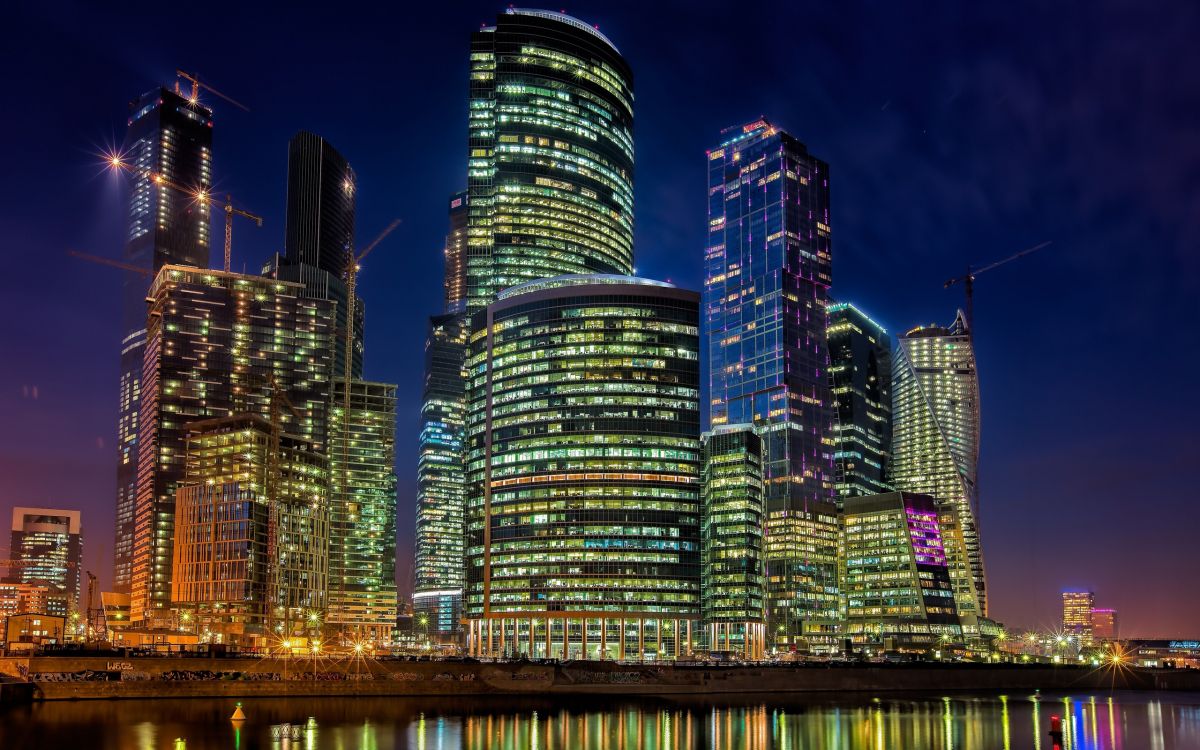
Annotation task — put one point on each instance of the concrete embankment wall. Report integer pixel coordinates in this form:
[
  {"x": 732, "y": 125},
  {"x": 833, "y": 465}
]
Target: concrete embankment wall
[{"x": 65, "y": 678}]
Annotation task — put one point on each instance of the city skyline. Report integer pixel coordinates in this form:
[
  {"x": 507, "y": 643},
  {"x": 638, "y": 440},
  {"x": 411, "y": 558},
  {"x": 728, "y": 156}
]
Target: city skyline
[{"x": 1006, "y": 335}]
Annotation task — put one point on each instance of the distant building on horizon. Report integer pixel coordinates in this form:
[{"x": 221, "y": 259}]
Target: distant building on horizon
[
  {"x": 46, "y": 545},
  {"x": 732, "y": 585},
  {"x": 171, "y": 136},
  {"x": 767, "y": 272},
  {"x": 935, "y": 446},
  {"x": 894, "y": 574},
  {"x": 1105, "y": 625},
  {"x": 1077, "y": 615},
  {"x": 218, "y": 344},
  {"x": 362, "y": 536},
  {"x": 583, "y": 465},
  {"x": 860, "y": 367}
]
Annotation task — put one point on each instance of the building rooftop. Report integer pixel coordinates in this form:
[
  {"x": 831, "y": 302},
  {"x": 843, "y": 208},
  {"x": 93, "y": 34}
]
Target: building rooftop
[
  {"x": 563, "y": 18},
  {"x": 583, "y": 279}
]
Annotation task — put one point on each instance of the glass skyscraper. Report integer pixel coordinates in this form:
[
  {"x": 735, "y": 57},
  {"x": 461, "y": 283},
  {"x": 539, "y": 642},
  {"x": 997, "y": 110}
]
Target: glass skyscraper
[
  {"x": 935, "y": 445},
  {"x": 362, "y": 551},
  {"x": 767, "y": 277},
  {"x": 860, "y": 369},
  {"x": 216, "y": 342},
  {"x": 732, "y": 584},
  {"x": 170, "y": 136},
  {"x": 550, "y": 164},
  {"x": 583, "y": 471},
  {"x": 321, "y": 194},
  {"x": 441, "y": 481}
]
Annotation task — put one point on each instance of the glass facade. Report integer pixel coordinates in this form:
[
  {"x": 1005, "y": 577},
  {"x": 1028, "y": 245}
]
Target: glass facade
[
  {"x": 1077, "y": 609},
  {"x": 550, "y": 163},
  {"x": 321, "y": 194},
  {"x": 251, "y": 534},
  {"x": 732, "y": 584},
  {"x": 47, "y": 547},
  {"x": 362, "y": 554},
  {"x": 860, "y": 373},
  {"x": 441, "y": 481},
  {"x": 171, "y": 136},
  {"x": 935, "y": 445},
  {"x": 894, "y": 576},
  {"x": 583, "y": 471},
  {"x": 455, "y": 283},
  {"x": 215, "y": 342},
  {"x": 767, "y": 277}
]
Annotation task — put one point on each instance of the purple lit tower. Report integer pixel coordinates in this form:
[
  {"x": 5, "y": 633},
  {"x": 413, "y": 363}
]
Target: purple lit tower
[{"x": 767, "y": 277}]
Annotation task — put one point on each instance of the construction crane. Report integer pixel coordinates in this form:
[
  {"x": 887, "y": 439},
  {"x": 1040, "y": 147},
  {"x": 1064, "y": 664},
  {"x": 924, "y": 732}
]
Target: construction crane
[
  {"x": 968, "y": 281},
  {"x": 194, "y": 98},
  {"x": 109, "y": 262},
  {"x": 353, "y": 264},
  {"x": 95, "y": 615},
  {"x": 201, "y": 195}
]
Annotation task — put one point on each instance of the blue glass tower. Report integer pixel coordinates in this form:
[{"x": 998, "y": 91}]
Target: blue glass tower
[{"x": 767, "y": 278}]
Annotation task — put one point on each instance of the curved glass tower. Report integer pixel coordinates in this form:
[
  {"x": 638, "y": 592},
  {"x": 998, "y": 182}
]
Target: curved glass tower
[
  {"x": 583, "y": 471},
  {"x": 935, "y": 445},
  {"x": 550, "y": 163}
]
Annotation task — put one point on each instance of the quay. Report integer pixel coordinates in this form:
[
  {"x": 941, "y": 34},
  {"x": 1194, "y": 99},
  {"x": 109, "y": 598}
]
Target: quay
[{"x": 49, "y": 678}]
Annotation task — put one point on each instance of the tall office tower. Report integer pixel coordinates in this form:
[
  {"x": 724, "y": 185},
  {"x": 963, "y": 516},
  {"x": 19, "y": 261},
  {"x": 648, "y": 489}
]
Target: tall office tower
[
  {"x": 47, "y": 546},
  {"x": 441, "y": 482},
  {"x": 171, "y": 136},
  {"x": 860, "y": 371},
  {"x": 550, "y": 164},
  {"x": 767, "y": 276},
  {"x": 894, "y": 575},
  {"x": 1077, "y": 615},
  {"x": 1104, "y": 625},
  {"x": 731, "y": 531},
  {"x": 362, "y": 553},
  {"x": 321, "y": 191},
  {"x": 583, "y": 470},
  {"x": 231, "y": 580},
  {"x": 935, "y": 445},
  {"x": 218, "y": 344},
  {"x": 456, "y": 254}
]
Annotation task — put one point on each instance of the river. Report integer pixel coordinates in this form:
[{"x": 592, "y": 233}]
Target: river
[{"x": 1118, "y": 721}]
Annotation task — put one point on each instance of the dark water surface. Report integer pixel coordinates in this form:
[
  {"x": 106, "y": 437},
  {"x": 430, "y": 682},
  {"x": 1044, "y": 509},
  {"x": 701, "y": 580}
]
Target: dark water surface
[{"x": 1117, "y": 721}]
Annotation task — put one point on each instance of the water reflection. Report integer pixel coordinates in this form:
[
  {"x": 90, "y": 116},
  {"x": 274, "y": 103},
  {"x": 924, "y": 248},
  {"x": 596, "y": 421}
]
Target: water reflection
[{"x": 1012, "y": 722}]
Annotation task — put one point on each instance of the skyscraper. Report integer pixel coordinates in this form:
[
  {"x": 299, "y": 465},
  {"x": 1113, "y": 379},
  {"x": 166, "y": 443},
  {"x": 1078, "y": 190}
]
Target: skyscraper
[
  {"x": 170, "y": 136},
  {"x": 583, "y": 471},
  {"x": 231, "y": 580},
  {"x": 1105, "y": 625},
  {"x": 321, "y": 193},
  {"x": 767, "y": 277},
  {"x": 935, "y": 445},
  {"x": 731, "y": 530},
  {"x": 456, "y": 254},
  {"x": 218, "y": 344},
  {"x": 860, "y": 354},
  {"x": 441, "y": 481},
  {"x": 1077, "y": 615},
  {"x": 362, "y": 555},
  {"x": 893, "y": 574},
  {"x": 47, "y": 545},
  {"x": 550, "y": 164}
]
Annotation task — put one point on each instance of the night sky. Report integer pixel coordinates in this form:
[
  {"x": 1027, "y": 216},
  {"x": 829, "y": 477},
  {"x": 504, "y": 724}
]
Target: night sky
[{"x": 955, "y": 134}]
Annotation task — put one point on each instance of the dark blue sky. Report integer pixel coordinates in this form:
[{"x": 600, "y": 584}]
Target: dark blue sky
[{"x": 956, "y": 133}]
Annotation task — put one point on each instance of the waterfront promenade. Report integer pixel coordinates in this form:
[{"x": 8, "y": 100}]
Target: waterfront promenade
[{"x": 98, "y": 677}]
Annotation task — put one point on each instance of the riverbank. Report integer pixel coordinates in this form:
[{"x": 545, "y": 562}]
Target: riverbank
[{"x": 81, "y": 678}]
